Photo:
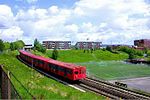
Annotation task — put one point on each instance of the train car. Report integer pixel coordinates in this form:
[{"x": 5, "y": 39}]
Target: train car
[{"x": 66, "y": 70}]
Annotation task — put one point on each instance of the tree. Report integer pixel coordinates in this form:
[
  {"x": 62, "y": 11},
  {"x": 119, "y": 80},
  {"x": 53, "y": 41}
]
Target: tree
[
  {"x": 131, "y": 51},
  {"x": 12, "y": 46},
  {"x": 91, "y": 50},
  {"x": 42, "y": 49},
  {"x": 1, "y": 45},
  {"x": 7, "y": 45},
  {"x": 148, "y": 53},
  {"x": 17, "y": 45},
  {"x": 131, "y": 56},
  {"x": 108, "y": 48},
  {"x": 55, "y": 54},
  {"x": 84, "y": 51},
  {"x": 38, "y": 46}
]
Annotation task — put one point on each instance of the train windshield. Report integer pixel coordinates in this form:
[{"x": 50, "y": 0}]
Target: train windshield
[{"x": 76, "y": 72}]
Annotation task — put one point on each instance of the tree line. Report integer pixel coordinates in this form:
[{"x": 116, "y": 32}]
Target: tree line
[{"x": 19, "y": 44}]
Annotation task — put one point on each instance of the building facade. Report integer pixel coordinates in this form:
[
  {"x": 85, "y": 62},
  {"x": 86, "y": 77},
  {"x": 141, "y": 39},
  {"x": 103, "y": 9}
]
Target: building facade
[
  {"x": 57, "y": 44},
  {"x": 28, "y": 47},
  {"x": 145, "y": 43},
  {"x": 88, "y": 45}
]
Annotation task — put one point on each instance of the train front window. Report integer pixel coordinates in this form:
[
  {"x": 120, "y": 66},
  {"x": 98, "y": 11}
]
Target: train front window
[{"x": 76, "y": 72}]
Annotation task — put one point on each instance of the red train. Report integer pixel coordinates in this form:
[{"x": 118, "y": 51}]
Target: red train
[{"x": 65, "y": 70}]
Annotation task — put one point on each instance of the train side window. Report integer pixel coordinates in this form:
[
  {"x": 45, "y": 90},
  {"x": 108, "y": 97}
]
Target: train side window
[
  {"x": 69, "y": 71},
  {"x": 53, "y": 67},
  {"x": 50, "y": 65},
  {"x": 76, "y": 72},
  {"x": 42, "y": 62},
  {"x": 61, "y": 69}
]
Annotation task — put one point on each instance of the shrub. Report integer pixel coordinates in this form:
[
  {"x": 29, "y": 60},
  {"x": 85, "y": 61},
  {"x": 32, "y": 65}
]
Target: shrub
[
  {"x": 131, "y": 51},
  {"x": 148, "y": 53},
  {"x": 38, "y": 46},
  {"x": 1, "y": 45},
  {"x": 108, "y": 48},
  {"x": 55, "y": 54}
]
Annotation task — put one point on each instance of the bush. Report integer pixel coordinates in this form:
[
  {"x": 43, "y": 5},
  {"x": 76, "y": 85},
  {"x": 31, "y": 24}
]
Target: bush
[
  {"x": 55, "y": 54},
  {"x": 38, "y": 46},
  {"x": 1, "y": 45},
  {"x": 131, "y": 56},
  {"x": 108, "y": 48},
  {"x": 148, "y": 53},
  {"x": 12, "y": 46},
  {"x": 16, "y": 45},
  {"x": 7, "y": 45},
  {"x": 131, "y": 51}
]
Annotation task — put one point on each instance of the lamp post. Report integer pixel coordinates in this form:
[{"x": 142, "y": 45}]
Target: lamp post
[{"x": 87, "y": 44}]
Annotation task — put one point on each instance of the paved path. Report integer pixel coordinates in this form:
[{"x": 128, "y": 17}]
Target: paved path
[{"x": 137, "y": 83}]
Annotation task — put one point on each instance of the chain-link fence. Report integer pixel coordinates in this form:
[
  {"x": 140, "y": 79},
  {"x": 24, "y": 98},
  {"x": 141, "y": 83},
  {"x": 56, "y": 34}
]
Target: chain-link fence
[{"x": 7, "y": 89}]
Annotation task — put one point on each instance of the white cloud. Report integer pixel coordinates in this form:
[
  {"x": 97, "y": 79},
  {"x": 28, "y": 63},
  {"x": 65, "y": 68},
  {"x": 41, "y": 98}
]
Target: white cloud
[
  {"x": 6, "y": 17},
  {"x": 120, "y": 21},
  {"x": 9, "y": 30},
  {"x": 53, "y": 9},
  {"x": 11, "y": 34}
]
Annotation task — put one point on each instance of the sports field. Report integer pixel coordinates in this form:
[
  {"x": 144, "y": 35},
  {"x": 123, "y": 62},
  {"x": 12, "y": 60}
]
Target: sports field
[{"x": 112, "y": 70}]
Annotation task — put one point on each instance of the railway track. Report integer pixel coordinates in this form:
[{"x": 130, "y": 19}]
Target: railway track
[
  {"x": 101, "y": 87},
  {"x": 110, "y": 90}
]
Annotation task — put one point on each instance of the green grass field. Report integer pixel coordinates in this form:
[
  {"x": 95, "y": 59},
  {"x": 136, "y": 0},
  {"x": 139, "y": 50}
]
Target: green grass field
[
  {"x": 104, "y": 64},
  {"x": 38, "y": 85},
  {"x": 76, "y": 56},
  {"x": 112, "y": 70}
]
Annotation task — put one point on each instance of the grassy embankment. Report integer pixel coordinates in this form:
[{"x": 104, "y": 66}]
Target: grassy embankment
[
  {"x": 38, "y": 85},
  {"x": 76, "y": 56},
  {"x": 104, "y": 64}
]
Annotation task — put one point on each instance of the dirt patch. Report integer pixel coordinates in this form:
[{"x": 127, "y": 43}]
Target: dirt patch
[{"x": 137, "y": 83}]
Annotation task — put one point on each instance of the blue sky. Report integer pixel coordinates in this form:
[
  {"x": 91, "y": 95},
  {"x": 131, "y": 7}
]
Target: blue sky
[
  {"x": 117, "y": 21},
  {"x": 24, "y": 4}
]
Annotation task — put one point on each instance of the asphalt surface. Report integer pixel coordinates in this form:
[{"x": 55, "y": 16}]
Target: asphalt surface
[{"x": 137, "y": 83}]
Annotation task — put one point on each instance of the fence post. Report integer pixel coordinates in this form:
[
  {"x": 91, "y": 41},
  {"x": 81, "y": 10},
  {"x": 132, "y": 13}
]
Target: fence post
[
  {"x": 6, "y": 86},
  {"x": 1, "y": 81}
]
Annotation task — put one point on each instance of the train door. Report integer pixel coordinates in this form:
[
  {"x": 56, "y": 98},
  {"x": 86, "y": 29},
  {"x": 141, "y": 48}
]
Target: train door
[
  {"x": 46, "y": 66},
  {"x": 70, "y": 74},
  {"x": 75, "y": 74}
]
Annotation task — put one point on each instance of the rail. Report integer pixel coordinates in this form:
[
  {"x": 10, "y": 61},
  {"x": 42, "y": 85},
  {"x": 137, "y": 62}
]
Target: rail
[{"x": 110, "y": 90}]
